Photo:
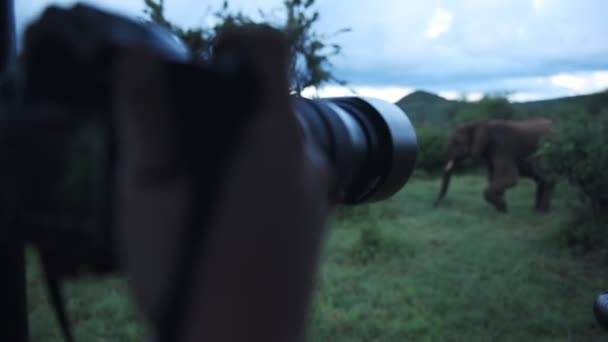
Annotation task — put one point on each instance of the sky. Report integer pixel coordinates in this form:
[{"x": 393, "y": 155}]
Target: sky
[{"x": 531, "y": 49}]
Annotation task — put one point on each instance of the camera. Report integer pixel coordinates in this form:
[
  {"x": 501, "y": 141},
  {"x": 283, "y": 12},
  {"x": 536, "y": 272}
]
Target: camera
[
  {"x": 68, "y": 53},
  {"x": 62, "y": 98},
  {"x": 59, "y": 148}
]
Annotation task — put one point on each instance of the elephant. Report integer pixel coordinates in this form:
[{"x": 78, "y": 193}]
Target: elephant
[{"x": 508, "y": 150}]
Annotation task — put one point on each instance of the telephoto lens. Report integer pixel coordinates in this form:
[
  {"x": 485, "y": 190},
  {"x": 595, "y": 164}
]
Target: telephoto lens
[{"x": 371, "y": 144}]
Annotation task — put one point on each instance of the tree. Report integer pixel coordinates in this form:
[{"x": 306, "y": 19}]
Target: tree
[
  {"x": 310, "y": 64},
  {"x": 497, "y": 106},
  {"x": 491, "y": 106},
  {"x": 311, "y": 51},
  {"x": 597, "y": 103}
]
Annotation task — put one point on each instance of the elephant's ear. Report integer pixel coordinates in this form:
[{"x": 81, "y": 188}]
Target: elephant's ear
[{"x": 479, "y": 139}]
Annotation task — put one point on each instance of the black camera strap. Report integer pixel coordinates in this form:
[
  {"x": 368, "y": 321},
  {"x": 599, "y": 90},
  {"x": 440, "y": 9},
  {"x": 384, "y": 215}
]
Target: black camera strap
[
  {"x": 210, "y": 141},
  {"x": 54, "y": 288}
]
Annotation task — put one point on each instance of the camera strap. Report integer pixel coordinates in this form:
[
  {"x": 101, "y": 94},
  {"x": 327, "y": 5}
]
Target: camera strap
[
  {"x": 54, "y": 288},
  {"x": 210, "y": 141},
  {"x": 217, "y": 148}
]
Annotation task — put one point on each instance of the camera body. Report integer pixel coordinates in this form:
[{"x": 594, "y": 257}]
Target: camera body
[{"x": 59, "y": 130}]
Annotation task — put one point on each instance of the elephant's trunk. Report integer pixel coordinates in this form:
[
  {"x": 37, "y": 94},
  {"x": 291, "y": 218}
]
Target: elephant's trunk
[{"x": 445, "y": 182}]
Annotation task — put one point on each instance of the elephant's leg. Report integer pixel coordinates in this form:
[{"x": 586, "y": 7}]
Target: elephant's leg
[
  {"x": 544, "y": 192},
  {"x": 490, "y": 171},
  {"x": 495, "y": 197},
  {"x": 505, "y": 176},
  {"x": 543, "y": 186}
]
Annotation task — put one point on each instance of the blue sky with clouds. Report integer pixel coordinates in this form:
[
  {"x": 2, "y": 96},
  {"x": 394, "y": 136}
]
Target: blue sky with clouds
[{"x": 533, "y": 48}]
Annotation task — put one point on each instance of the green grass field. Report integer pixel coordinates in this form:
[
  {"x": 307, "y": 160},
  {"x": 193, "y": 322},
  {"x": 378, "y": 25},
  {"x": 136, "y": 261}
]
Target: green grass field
[{"x": 401, "y": 271}]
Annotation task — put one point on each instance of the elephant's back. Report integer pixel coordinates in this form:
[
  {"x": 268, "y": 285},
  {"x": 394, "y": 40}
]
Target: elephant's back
[
  {"x": 533, "y": 128},
  {"x": 540, "y": 125},
  {"x": 519, "y": 138}
]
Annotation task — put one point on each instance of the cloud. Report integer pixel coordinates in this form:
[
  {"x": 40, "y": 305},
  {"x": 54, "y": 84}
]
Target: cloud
[
  {"x": 466, "y": 46},
  {"x": 600, "y": 79},
  {"x": 581, "y": 82},
  {"x": 569, "y": 81},
  {"x": 525, "y": 97},
  {"x": 390, "y": 94},
  {"x": 538, "y": 4},
  {"x": 440, "y": 23},
  {"x": 455, "y": 95},
  {"x": 519, "y": 89}
]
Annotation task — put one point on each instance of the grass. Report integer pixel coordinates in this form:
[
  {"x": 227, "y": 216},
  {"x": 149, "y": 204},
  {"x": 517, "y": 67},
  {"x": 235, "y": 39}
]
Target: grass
[{"x": 401, "y": 271}]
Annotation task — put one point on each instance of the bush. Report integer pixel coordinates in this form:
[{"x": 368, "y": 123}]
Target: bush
[
  {"x": 597, "y": 103},
  {"x": 432, "y": 144},
  {"x": 489, "y": 107},
  {"x": 578, "y": 153},
  {"x": 585, "y": 233}
]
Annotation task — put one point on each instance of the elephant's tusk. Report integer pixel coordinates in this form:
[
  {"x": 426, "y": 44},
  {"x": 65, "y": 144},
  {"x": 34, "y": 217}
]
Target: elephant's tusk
[{"x": 449, "y": 166}]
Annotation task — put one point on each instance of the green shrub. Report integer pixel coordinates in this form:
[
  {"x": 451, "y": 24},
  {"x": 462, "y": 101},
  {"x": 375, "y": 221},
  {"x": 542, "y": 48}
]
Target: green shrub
[
  {"x": 432, "y": 144},
  {"x": 597, "y": 103},
  {"x": 489, "y": 107},
  {"x": 578, "y": 153},
  {"x": 585, "y": 232}
]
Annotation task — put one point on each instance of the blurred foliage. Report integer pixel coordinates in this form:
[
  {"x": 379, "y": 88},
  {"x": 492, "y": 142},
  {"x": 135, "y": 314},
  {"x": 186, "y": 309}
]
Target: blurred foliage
[
  {"x": 578, "y": 153},
  {"x": 597, "y": 104},
  {"x": 432, "y": 147},
  {"x": 489, "y": 107},
  {"x": 311, "y": 51},
  {"x": 584, "y": 232}
]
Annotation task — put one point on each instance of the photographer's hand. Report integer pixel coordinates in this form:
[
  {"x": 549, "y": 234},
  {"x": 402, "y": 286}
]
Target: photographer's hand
[{"x": 255, "y": 276}]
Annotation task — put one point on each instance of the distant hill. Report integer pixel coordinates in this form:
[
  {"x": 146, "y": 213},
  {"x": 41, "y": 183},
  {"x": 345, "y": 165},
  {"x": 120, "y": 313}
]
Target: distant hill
[
  {"x": 422, "y": 106},
  {"x": 425, "y": 107}
]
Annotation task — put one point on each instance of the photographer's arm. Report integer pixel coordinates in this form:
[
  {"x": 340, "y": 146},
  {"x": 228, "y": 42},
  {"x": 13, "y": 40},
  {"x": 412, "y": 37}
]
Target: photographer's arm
[{"x": 255, "y": 277}]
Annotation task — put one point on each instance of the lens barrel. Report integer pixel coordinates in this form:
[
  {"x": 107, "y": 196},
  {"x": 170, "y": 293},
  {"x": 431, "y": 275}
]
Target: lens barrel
[{"x": 371, "y": 144}]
